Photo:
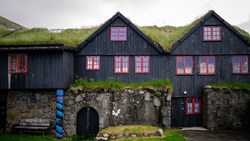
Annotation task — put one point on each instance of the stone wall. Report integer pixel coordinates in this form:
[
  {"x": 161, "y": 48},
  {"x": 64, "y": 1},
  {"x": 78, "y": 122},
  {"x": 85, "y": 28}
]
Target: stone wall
[
  {"x": 128, "y": 106},
  {"x": 224, "y": 108},
  {"x": 30, "y": 104}
]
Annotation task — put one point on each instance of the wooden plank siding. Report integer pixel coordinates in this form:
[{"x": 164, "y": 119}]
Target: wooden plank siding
[
  {"x": 46, "y": 70},
  {"x": 106, "y": 72}
]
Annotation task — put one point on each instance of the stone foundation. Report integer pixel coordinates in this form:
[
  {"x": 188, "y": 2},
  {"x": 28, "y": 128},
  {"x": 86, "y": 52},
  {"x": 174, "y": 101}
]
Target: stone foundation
[
  {"x": 224, "y": 108},
  {"x": 128, "y": 106},
  {"x": 30, "y": 104}
]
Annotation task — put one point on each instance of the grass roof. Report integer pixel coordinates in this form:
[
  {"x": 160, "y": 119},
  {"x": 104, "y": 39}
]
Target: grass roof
[
  {"x": 166, "y": 36},
  {"x": 3, "y": 30}
]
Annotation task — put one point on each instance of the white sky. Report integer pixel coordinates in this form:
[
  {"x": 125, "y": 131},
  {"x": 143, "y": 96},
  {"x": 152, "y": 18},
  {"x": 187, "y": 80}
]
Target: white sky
[{"x": 79, "y": 13}]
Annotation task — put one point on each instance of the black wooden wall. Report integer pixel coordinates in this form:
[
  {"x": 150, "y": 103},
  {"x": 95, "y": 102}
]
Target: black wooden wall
[{"x": 46, "y": 70}]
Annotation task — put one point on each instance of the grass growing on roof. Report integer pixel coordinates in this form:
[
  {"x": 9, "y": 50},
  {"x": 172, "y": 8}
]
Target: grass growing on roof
[
  {"x": 70, "y": 37},
  {"x": 119, "y": 85},
  {"x": 233, "y": 86},
  {"x": 3, "y": 30}
]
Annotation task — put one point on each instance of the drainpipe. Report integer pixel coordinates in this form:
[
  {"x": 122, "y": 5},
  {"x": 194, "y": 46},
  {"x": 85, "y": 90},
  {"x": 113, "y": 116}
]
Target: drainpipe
[{"x": 59, "y": 113}]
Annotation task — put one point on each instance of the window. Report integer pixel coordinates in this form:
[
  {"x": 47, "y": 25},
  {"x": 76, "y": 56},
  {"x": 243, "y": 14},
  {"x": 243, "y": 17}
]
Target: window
[
  {"x": 184, "y": 65},
  {"x": 92, "y": 62},
  {"x": 212, "y": 33},
  {"x": 18, "y": 63},
  {"x": 118, "y": 33},
  {"x": 193, "y": 105},
  {"x": 141, "y": 64},
  {"x": 240, "y": 64},
  {"x": 121, "y": 64},
  {"x": 207, "y": 64}
]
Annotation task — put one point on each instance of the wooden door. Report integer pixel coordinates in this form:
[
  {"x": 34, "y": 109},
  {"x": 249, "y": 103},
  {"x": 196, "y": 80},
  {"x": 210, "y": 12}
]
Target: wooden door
[{"x": 87, "y": 122}]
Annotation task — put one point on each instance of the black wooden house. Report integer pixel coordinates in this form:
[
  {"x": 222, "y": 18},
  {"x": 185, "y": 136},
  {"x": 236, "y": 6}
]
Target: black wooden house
[{"x": 211, "y": 52}]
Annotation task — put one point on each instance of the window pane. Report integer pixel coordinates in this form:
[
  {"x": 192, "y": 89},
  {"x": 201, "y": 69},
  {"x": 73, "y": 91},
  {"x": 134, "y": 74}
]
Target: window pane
[
  {"x": 13, "y": 63},
  {"x": 189, "y": 105},
  {"x": 188, "y": 65},
  {"x": 211, "y": 64},
  {"x": 197, "y": 105},
  {"x": 244, "y": 66},
  {"x": 180, "y": 65},
  {"x": 236, "y": 64}
]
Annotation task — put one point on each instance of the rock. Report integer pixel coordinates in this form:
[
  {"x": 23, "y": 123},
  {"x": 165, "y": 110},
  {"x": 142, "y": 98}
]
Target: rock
[
  {"x": 160, "y": 132},
  {"x": 101, "y": 139},
  {"x": 169, "y": 97},
  {"x": 148, "y": 96},
  {"x": 157, "y": 102},
  {"x": 79, "y": 98},
  {"x": 133, "y": 135},
  {"x": 141, "y": 92},
  {"x": 106, "y": 135}
]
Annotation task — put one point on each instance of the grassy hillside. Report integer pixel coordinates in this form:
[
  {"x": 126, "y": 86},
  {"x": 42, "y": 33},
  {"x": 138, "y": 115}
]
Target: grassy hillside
[{"x": 10, "y": 24}]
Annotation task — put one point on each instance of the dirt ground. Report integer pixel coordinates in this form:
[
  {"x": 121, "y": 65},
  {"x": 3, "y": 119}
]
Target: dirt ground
[{"x": 216, "y": 135}]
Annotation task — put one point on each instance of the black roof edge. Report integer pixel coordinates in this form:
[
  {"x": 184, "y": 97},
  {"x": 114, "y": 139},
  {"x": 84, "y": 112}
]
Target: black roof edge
[
  {"x": 207, "y": 15},
  {"x": 129, "y": 23},
  {"x": 37, "y": 47}
]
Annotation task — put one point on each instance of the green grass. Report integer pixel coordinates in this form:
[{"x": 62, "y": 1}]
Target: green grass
[
  {"x": 9, "y": 137},
  {"x": 165, "y": 36},
  {"x": 116, "y": 85},
  {"x": 3, "y": 30},
  {"x": 169, "y": 135},
  {"x": 233, "y": 86},
  {"x": 70, "y": 37},
  {"x": 129, "y": 129}
]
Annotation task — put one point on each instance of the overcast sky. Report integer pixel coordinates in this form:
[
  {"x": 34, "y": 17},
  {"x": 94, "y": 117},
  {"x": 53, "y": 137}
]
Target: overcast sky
[{"x": 79, "y": 13}]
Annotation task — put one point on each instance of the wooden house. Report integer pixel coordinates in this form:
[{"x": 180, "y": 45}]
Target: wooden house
[{"x": 212, "y": 51}]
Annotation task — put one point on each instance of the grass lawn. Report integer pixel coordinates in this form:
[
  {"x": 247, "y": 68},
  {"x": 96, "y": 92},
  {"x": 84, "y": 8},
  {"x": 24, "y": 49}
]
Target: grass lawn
[
  {"x": 11, "y": 137},
  {"x": 169, "y": 135}
]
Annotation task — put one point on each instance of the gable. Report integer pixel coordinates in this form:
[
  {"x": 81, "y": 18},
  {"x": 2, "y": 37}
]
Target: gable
[
  {"x": 231, "y": 43},
  {"x": 136, "y": 44}
]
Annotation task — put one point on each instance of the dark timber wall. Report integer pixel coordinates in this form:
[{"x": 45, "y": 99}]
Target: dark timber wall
[{"x": 46, "y": 70}]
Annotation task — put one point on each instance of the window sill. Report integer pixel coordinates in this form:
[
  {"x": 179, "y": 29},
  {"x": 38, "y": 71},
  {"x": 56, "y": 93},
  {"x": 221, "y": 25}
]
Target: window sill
[
  {"x": 185, "y": 74},
  {"x": 193, "y": 113},
  {"x": 207, "y": 74},
  {"x": 212, "y": 40},
  {"x": 240, "y": 73}
]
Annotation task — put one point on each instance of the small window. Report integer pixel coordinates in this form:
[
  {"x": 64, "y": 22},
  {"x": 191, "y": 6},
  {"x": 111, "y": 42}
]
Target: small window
[
  {"x": 193, "y": 105},
  {"x": 92, "y": 62},
  {"x": 121, "y": 64},
  {"x": 240, "y": 64},
  {"x": 118, "y": 33},
  {"x": 212, "y": 33},
  {"x": 184, "y": 65},
  {"x": 207, "y": 64},
  {"x": 142, "y": 64},
  {"x": 18, "y": 63}
]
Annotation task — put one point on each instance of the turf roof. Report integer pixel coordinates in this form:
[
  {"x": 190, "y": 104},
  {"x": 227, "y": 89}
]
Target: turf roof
[{"x": 166, "y": 36}]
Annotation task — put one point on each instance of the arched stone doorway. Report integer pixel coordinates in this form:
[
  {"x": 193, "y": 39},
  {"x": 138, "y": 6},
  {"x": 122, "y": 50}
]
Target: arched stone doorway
[{"x": 87, "y": 122}]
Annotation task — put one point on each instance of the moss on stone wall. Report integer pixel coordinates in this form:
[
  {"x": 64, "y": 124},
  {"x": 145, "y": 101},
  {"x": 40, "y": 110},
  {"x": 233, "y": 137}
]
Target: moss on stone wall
[
  {"x": 232, "y": 86},
  {"x": 91, "y": 85}
]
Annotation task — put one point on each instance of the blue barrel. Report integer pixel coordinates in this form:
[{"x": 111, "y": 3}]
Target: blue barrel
[{"x": 59, "y": 113}]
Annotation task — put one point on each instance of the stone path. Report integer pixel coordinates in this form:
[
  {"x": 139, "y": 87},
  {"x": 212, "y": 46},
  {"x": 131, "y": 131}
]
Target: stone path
[{"x": 194, "y": 135}]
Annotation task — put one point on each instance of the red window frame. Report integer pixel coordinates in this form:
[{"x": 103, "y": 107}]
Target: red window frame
[
  {"x": 213, "y": 34},
  {"x": 207, "y": 65},
  {"x": 121, "y": 64},
  {"x": 20, "y": 63},
  {"x": 240, "y": 64},
  {"x": 184, "y": 65},
  {"x": 143, "y": 64},
  {"x": 193, "y": 105},
  {"x": 91, "y": 66},
  {"x": 118, "y": 33}
]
